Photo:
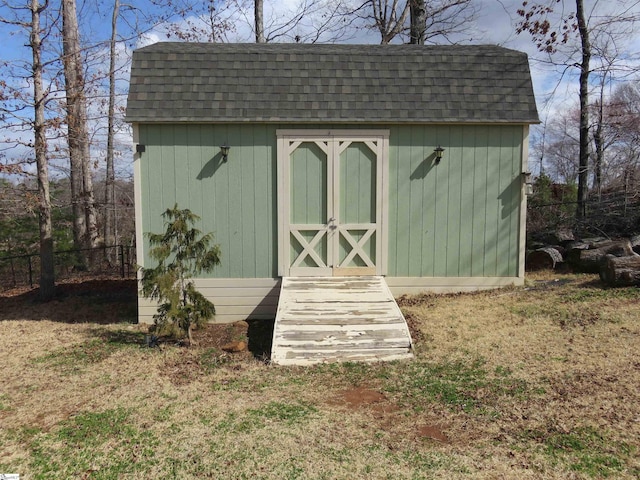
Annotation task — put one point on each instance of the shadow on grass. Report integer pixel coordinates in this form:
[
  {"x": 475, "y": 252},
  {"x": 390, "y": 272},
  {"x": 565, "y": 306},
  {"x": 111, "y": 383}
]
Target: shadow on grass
[
  {"x": 101, "y": 301},
  {"x": 120, "y": 337}
]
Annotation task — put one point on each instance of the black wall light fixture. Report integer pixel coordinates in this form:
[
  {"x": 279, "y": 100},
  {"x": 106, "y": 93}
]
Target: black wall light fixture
[
  {"x": 438, "y": 151},
  {"x": 224, "y": 151}
]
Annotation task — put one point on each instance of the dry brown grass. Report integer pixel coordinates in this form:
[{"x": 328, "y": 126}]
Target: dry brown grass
[{"x": 534, "y": 382}]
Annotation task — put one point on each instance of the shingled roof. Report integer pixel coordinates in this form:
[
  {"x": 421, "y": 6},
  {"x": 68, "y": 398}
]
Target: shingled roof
[{"x": 193, "y": 82}]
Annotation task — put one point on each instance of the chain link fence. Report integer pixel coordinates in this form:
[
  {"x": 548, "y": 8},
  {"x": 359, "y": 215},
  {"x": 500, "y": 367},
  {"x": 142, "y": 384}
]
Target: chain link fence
[{"x": 109, "y": 261}]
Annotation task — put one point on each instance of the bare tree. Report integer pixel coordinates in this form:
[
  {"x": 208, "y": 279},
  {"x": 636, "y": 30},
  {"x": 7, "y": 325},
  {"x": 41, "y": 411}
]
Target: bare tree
[
  {"x": 305, "y": 21},
  {"x": 418, "y": 14},
  {"x": 209, "y": 23},
  {"x": 561, "y": 146},
  {"x": 389, "y": 17},
  {"x": 47, "y": 274},
  {"x": 583, "y": 172},
  {"x": 259, "y": 23},
  {"x": 109, "y": 191},
  {"x": 84, "y": 211},
  {"x": 31, "y": 22},
  {"x": 416, "y": 21},
  {"x": 566, "y": 39},
  {"x": 623, "y": 119}
]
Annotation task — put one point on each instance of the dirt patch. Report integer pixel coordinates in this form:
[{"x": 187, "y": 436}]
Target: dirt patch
[
  {"x": 217, "y": 336},
  {"x": 385, "y": 412},
  {"x": 361, "y": 396},
  {"x": 432, "y": 432}
]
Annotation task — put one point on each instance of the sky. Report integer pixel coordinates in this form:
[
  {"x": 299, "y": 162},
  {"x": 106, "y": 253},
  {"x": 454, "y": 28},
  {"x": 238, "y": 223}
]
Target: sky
[{"x": 494, "y": 23}]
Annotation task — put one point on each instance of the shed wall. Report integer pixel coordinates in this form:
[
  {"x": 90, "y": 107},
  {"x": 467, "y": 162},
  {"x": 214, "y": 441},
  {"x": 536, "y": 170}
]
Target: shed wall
[
  {"x": 455, "y": 226},
  {"x": 460, "y": 218},
  {"x": 235, "y": 200}
]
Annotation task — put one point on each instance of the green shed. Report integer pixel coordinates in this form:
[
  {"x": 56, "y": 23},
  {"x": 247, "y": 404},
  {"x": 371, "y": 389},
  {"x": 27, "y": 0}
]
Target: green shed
[{"x": 402, "y": 161}]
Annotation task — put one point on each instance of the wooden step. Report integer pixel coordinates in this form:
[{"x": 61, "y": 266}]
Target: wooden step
[
  {"x": 312, "y": 357},
  {"x": 332, "y": 319}
]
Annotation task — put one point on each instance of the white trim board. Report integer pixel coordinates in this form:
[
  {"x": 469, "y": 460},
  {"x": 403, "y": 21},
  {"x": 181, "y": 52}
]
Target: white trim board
[
  {"x": 522, "y": 228},
  {"x": 137, "y": 195}
]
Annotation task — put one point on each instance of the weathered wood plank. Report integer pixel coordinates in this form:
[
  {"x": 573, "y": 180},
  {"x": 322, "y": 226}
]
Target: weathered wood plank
[
  {"x": 326, "y": 319},
  {"x": 309, "y": 327},
  {"x": 351, "y": 336},
  {"x": 340, "y": 321},
  {"x": 346, "y": 346},
  {"x": 309, "y": 357}
]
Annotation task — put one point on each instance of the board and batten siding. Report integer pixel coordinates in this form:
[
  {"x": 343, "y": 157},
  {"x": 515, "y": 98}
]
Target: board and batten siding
[
  {"x": 235, "y": 199},
  {"x": 454, "y": 226},
  {"x": 459, "y": 218}
]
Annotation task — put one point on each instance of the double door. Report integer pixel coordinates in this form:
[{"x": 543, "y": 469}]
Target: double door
[{"x": 331, "y": 196}]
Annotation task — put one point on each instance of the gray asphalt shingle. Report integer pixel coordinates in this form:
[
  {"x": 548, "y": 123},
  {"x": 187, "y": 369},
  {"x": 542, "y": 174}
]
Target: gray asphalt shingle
[{"x": 208, "y": 82}]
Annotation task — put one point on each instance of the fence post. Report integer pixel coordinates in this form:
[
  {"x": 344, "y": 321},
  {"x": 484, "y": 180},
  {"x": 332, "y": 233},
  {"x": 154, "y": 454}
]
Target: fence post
[
  {"x": 30, "y": 272},
  {"x": 122, "y": 260}
]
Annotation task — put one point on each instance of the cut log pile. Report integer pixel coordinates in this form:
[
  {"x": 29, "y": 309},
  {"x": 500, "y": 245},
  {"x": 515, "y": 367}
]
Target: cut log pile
[
  {"x": 620, "y": 271},
  {"x": 617, "y": 261}
]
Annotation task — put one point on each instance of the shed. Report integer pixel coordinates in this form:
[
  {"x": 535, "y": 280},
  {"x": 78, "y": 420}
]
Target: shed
[{"x": 402, "y": 161}]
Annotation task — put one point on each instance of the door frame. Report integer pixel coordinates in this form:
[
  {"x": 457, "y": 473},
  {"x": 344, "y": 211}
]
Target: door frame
[{"x": 284, "y": 139}]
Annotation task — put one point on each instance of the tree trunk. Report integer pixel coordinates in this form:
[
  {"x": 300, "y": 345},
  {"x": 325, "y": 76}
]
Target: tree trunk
[
  {"x": 259, "y": 20},
  {"x": 109, "y": 190},
  {"x": 598, "y": 141},
  {"x": 588, "y": 261},
  {"x": 389, "y": 19},
  {"x": 85, "y": 223},
  {"x": 635, "y": 243},
  {"x": 47, "y": 274},
  {"x": 544, "y": 258},
  {"x": 418, "y": 13},
  {"x": 583, "y": 169},
  {"x": 620, "y": 271}
]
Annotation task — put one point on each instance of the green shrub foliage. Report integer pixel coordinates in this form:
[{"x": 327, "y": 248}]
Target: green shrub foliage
[{"x": 182, "y": 252}]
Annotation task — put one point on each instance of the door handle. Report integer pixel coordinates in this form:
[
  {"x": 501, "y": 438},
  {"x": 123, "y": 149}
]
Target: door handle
[{"x": 332, "y": 219}]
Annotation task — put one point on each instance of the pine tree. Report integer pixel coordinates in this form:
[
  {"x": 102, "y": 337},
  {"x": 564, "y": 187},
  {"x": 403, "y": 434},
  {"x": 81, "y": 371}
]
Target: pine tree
[{"x": 182, "y": 252}]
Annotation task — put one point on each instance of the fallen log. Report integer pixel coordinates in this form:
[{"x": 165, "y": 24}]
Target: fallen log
[
  {"x": 635, "y": 243},
  {"x": 543, "y": 258},
  {"x": 588, "y": 261},
  {"x": 620, "y": 271}
]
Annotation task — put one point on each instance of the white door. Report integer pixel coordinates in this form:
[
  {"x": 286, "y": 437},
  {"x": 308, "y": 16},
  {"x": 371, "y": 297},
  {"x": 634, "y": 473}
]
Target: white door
[{"x": 331, "y": 205}]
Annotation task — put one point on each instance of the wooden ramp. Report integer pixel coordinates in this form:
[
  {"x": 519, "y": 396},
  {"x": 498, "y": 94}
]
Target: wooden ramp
[{"x": 338, "y": 319}]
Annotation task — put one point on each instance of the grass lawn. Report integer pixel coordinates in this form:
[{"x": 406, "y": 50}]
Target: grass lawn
[{"x": 539, "y": 382}]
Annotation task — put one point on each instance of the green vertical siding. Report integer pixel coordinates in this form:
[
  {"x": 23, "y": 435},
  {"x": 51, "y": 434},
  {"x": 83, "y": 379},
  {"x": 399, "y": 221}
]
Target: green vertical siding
[
  {"x": 459, "y": 218},
  {"x": 357, "y": 184},
  {"x": 308, "y": 194},
  {"x": 236, "y": 199}
]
